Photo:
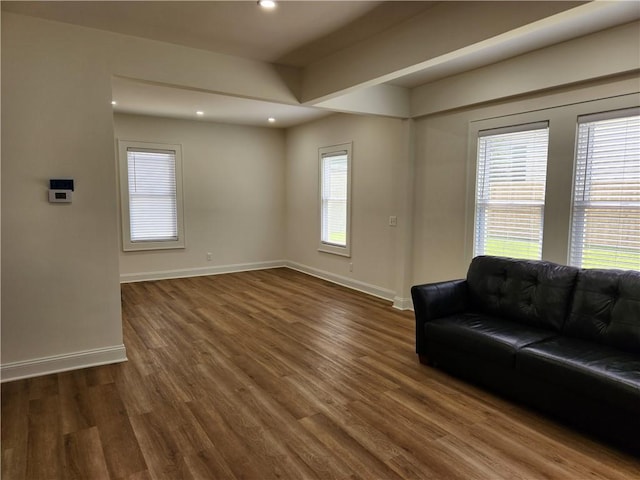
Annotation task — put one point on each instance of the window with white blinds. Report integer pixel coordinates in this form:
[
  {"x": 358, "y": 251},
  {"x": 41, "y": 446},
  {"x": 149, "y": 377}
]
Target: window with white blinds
[
  {"x": 605, "y": 230},
  {"x": 510, "y": 191},
  {"x": 334, "y": 199},
  {"x": 151, "y": 196}
]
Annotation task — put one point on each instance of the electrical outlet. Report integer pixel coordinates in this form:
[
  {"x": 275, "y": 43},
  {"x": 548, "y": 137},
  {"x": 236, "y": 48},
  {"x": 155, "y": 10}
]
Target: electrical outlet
[
  {"x": 351, "y": 267},
  {"x": 209, "y": 256},
  {"x": 393, "y": 221}
]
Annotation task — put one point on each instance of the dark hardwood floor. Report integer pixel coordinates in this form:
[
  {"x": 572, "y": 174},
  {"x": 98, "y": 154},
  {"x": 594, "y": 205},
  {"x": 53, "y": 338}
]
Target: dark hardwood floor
[{"x": 275, "y": 374}]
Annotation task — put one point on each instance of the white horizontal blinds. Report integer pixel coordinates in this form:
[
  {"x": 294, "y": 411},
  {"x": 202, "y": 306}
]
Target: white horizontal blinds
[
  {"x": 334, "y": 198},
  {"x": 510, "y": 191},
  {"x": 605, "y": 230},
  {"x": 152, "y": 195}
]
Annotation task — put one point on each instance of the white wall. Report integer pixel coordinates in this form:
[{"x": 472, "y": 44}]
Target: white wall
[
  {"x": 233, "y": 182},
  {"x": 378, "y": 155}
]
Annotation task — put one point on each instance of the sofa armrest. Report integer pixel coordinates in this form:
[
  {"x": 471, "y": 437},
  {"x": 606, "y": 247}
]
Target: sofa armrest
[{"x": 437, "y": 300}]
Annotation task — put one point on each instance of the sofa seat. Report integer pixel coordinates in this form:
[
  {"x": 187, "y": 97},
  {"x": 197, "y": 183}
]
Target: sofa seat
[
  {"x": 597, "y": 371},
  {"x": 562, "y": 339},
  {"x": 489, "y": 337}
]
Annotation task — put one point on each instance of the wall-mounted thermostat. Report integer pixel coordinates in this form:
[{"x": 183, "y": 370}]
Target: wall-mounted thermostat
[{"x": 60, "y": 190}]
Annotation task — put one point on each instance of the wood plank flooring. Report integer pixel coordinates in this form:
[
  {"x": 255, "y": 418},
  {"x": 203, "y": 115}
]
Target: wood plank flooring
[{"x": 277, "y": 375}]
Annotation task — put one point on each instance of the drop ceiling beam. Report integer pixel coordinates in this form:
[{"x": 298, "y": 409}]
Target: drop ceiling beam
[
  {"x": 568, "y": 63},
  {"x": 444, "y": 28},
  {"x": 384, "y": 100}
]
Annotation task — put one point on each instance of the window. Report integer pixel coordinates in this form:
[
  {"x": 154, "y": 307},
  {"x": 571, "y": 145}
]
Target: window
[
  {"x": 151, "y": 196},
  {"x": 605, "y": 231},
  {"x": 335, "y": 189},
  {"x": 510, "y": 191}
]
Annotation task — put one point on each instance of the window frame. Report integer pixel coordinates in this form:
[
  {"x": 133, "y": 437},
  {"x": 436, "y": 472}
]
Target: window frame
[
  {"x": 562, "y": 114},
  {"x": 324, "y": 246},
  {"x": 581, "y": 205},
  {"x": 125, "y": 219},
  {"x": 479, "y": 212}
]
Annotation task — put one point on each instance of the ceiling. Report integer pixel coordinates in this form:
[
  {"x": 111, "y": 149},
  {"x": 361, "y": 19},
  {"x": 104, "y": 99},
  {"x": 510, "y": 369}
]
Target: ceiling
[{"x": 296, "y": 34}]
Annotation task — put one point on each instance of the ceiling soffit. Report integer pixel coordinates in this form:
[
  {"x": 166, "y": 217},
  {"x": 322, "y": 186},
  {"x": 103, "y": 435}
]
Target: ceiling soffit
[{"x": 349, "y": 56}]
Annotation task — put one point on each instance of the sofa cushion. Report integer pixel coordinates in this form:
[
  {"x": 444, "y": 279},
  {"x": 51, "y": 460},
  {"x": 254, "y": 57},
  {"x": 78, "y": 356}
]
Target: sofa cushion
[
  {"x": 606, "y": 309},
  {"x": 587, "y": 368},
  {"x": 535, "y": 293},
  {"x": 488, "y": 337}
]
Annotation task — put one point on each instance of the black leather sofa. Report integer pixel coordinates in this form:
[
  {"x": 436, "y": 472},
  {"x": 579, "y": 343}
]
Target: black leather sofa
[{"x": 560, "y": 339}]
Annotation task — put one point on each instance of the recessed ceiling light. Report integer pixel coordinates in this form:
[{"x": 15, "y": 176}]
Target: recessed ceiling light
[
  {"x": 267, "y": 4},
  {"x": 271, "y": 120},
  {"x": 199, "y": 113},
  {"x": 113, "y": 102}
]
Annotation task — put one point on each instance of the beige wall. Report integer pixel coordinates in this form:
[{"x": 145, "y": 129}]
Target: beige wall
[
  {"x": 233, "y": 182},
  {"x": 60, "y": 268},
  {"x": 60, "y": 288},
  {"x": 444, "y": 171},
  {"x": 60, "y": 292},
  {"x": 378, "y": 153}
]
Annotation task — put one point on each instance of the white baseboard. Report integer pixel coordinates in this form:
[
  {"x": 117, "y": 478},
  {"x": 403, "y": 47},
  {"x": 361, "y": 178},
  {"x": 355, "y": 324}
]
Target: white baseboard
[
  {"x": 103, "y": 356},
  {"x": 402, "y": 303},
  {"x": 199, "y": 271},
  {"x": 374, "y": 290},
  {"x": 62, "y": 363}
]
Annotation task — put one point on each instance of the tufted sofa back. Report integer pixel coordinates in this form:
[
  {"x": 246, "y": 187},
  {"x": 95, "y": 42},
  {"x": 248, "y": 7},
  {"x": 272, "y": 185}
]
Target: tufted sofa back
[
  {"x": 536, "y": 293},
  {"x": 606, "y": 309}
]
